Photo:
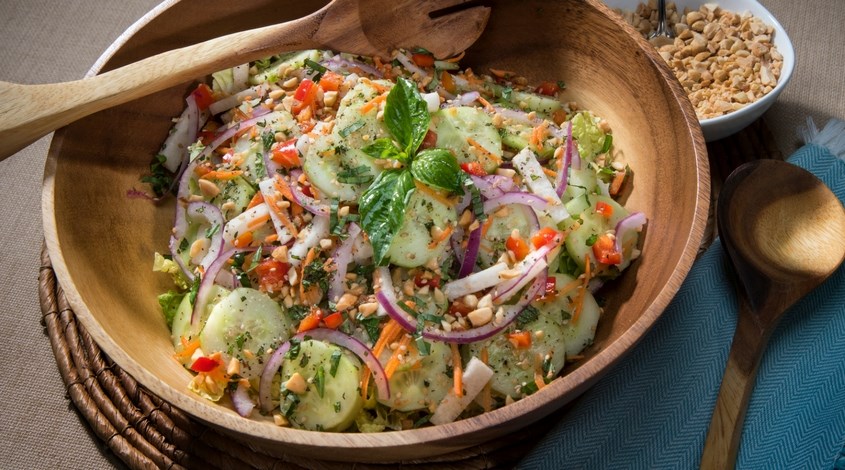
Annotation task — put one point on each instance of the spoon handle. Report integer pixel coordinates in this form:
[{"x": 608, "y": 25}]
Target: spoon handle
[
  {"x": 749, "y": 342},
  {"x": 28, "y": 112}
]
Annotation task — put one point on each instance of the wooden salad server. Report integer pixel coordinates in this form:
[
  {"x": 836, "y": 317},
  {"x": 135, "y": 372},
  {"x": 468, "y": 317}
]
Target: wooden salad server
[{"x": 366, "y": 27}]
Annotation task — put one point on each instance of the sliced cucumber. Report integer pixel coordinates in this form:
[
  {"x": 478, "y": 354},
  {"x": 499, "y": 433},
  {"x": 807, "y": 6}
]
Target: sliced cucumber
[
  {"x": 421, "y": 382},
  {"x": 330, "y": 155},
  {"x": 524, "y": 99},
  {"x": 455, "y": 126},
  {"x": 592, "y": 224},
  {"x": 579, "y": 334},
  {"x": 334, "y": 406},
  {"x": 411, "y": 247},
  {"x": 238, "y": 191},
  {"x": 246, "y": 319},
  {"x": 580, "y": 182},
  {"x": 516, "y": 367},
  {"x": 501, "y": 227},
  {"x": 355, "y": 128},
  {"x": 182, "y": 320},
  {"x": 293, "y": 60}
]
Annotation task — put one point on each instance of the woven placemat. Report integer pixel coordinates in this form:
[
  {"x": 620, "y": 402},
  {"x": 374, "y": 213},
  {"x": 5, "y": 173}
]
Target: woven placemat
[{"x": 144, "y": 431}]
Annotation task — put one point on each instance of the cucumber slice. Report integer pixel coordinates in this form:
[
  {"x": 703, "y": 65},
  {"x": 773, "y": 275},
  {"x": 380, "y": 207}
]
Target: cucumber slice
[
  {"x": 515, "y": 367},
  {"x": 182, "y": 320},
  {"x": 454, "y": 126},
  {"x": 578, "y": 335},
  {"x": 592, "y": 224},
  {"x": 411, "y": 247},
  {"x": 238, "y": 191},
  {"x": 421, "y": 382},
  {"x": 340, "y": 402},
  {"x": 524, "y": 99},
  {"x": 580, "y": 182},
  {"x": 493, "y": 242},
  {"x": 293, "y": 60},
  {"x": 340, "y": 151},
  {"x": 330, "y": 155},
  {"x": 246, "y": 319}
]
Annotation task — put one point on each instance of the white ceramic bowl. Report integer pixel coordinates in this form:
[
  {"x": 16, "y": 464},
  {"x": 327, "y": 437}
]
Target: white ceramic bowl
[{"x": 731, "y": 123}]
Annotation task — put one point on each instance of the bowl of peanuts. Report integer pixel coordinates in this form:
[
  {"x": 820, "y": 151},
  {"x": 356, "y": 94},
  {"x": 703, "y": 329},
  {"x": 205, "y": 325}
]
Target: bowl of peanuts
[{"x": 732, "y": 57}]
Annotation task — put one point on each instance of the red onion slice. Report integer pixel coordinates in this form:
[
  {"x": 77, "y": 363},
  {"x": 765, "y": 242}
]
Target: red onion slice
[
  {"x": 471, "y": 254},
  {"x": 530, "y": 267},
  {"x": 342, "y": 256},
  {"x": 493, "y": 186},
  {"x": 208, "y": 280},
  {"x": 410, "y": 66},
  {"x": 308, "y": 238},
  {"x": 271, "y": 367},
  {"x": 228, "y": 132},
  {"x": 517, "y": 197},
  {"x": 184, "y": 133},
  {"x": 340, "y": 64},
  {"x": 464, "y": 99},
  {"x": 241, "y": 401},
  {"x": 474, "y": 282},
  {"x": 467, "y": 336},
  {"x": 527, "y": 165},
  {"x": 235, "y": 100},
  {"x": 307, "y": 203},
  {"x": 633, "y": 222}
]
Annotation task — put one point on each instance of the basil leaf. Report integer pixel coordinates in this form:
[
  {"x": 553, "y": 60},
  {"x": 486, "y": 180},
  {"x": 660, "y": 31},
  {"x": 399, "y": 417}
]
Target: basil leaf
[
  {"x": 406, "y": 115},
  {"x": 384, "y": 148},
  {"x": 438, "y": 168},
  {"x": 382, "y": 209}
]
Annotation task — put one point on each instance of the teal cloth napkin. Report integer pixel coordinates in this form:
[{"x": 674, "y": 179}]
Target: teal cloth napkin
[{"x": 652, "y": 411}]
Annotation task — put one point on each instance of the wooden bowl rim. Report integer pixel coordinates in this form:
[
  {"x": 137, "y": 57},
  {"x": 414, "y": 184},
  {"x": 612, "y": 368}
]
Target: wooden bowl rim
[{"x": 576, "y": 381}]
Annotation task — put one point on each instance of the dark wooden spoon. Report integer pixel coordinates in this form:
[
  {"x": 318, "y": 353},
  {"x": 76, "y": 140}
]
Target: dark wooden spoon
[
  {"x": 366, "y": 27},
  {"x": 784, "y": 232}
]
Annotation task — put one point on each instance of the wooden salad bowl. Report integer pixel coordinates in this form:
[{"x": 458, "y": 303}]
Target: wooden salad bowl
[{"x": 101, "y": 241}]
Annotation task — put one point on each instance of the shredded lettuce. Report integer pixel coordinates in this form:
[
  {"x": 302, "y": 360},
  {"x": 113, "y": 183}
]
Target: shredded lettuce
[
  {"x": 590, "y": 138},
  {"x": 169, "y": 302},
  {"x": 223, "y": 82},
  {"x": 168, "y": 266}
]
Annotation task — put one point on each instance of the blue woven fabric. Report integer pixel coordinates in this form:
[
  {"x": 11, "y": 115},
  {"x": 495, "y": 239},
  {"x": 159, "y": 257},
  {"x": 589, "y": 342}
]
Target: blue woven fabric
[{"x": 652, "y": 411}]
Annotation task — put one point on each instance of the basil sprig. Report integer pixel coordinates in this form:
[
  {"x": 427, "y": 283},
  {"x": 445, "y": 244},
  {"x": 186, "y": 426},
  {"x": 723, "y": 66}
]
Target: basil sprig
[{"x": 382, "y": 205}]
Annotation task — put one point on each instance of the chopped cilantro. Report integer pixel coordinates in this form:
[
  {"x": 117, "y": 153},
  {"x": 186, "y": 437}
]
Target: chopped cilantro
[{"x": 528, "y": 315}]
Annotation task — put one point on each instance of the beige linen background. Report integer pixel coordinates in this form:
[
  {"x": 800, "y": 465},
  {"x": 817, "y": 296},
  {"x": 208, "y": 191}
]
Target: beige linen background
[{"x": 55, "y": 40}]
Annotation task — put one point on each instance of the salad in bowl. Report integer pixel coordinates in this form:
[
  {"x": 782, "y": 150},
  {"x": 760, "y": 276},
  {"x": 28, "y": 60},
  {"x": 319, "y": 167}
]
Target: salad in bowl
[{"x": 366, "y": 245}]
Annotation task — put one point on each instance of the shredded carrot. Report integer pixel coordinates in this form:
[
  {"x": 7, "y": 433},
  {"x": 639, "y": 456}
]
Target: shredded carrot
[
  {"x": 483, "y": 151},
  {"x": 188, "y": 348},
  {"x": 272, "y": 203},
  {"x": 394, "y": 361},
  {"x": 456, "y": 58},
  {"x": 379, "y": 87},
  {"x": 282, "y": 186},
  {"x": 243, "y": 240},
  {"x": 434, "y": 194},
  {"x": 616, "y": 183},
  {"x": 487, "y": 106},
  {"x": 538, "y": 134},
  {"x": 444, "y": 235},
  {"x": 271, "y": 238},
  {"x": 257, "y": 222},
  {"x": 391, "y": 328},
  {"x": 222, "y": 175},
  {"x": 369, "y": 105},
  {"x": 257, "y": 199},
  {"x": 458, "y": 369},
  {"x": 549, "y": 172},
  {"x": 568, "y": 287}
]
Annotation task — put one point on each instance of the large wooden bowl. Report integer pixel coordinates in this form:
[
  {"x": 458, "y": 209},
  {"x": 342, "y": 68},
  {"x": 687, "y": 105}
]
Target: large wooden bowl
[{"x": 101, "y": 241}]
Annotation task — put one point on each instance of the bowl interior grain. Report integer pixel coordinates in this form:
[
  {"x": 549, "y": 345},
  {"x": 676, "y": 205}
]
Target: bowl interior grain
[{"x": 101, "y": 241}]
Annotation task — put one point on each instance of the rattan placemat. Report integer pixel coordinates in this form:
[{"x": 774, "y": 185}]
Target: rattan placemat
[{"x": 144, "y": 431}]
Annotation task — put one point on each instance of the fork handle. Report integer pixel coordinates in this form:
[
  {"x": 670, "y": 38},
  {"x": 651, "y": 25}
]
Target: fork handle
[
  {"x": 28, "y": 112},
  {"x": 749, "y": 342}
]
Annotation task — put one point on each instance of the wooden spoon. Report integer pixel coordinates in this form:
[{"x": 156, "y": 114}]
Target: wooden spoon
[
  {"x": 367, "y": 27},
  {"x": 784, "y": 232}
]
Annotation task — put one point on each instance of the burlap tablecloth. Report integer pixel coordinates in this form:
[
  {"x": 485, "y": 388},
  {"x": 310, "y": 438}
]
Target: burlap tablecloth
[{"x": 46, "y": 40}]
